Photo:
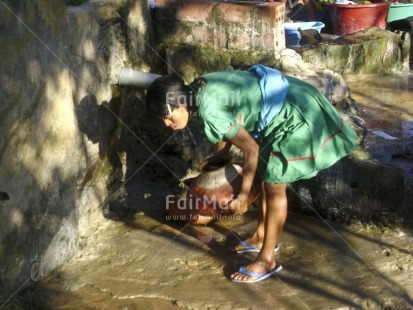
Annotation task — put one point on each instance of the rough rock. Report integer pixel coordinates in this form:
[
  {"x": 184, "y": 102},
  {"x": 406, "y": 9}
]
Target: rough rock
[
  {"x": 330, "y": 83},
  {"x": 371, "y": 51},
  {"x": 63, "y": 126}
]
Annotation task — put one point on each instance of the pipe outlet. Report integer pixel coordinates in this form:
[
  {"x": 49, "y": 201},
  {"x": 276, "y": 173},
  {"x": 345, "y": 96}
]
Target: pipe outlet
[{"x": 130, "y": 77}]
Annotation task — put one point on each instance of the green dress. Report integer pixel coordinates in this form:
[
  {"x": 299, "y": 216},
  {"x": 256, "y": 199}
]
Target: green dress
[{"x": 308, "y": 134}]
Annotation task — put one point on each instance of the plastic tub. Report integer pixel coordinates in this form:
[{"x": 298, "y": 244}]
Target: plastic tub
[
  {"x": 351, "y": 18},
  {"x": 399, "y": 11},
  {"x": 293, "y": 36}
]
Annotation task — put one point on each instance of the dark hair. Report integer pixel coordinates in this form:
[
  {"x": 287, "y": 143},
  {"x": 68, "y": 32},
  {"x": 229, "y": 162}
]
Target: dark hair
[{"x": 169, "y": 89}]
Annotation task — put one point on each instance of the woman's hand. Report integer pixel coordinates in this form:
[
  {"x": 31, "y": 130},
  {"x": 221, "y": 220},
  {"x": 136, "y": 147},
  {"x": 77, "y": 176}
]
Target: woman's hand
[
  {"x": 250, "y": 150},
  {"x": 223, "y": 147},
  {"x": 239, "y": 205}
]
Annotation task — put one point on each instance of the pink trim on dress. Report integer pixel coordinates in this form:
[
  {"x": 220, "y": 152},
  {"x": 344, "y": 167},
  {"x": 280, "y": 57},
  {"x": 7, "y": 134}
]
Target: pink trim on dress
[{"x": 321, "y": 147}]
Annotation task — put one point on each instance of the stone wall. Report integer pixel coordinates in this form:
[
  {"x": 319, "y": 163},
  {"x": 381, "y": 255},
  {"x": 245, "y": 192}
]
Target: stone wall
[
  {"x": 235, "y": 25},
  {"x": 62, "y": 124}
]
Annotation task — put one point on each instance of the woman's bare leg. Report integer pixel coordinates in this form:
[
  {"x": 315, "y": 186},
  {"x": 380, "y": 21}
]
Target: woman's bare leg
[
  {"x": 257, "y": 238},
  {"x": 275, "y": 216}
]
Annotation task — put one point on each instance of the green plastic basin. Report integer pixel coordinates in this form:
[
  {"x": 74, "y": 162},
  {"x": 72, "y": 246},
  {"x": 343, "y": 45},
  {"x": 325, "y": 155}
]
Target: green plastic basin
[{"x": 399, "y": 11}]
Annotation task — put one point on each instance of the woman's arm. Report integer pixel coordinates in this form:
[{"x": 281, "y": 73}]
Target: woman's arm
[{"x": 250, "y": 149}]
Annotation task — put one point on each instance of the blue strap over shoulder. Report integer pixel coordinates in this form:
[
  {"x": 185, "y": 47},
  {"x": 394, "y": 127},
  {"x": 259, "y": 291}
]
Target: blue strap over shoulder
[{"x": 274, "y": 88}]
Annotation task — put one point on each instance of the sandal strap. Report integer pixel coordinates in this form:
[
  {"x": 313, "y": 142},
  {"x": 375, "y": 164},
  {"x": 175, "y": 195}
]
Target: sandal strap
[{"x": 249, "y": 273}]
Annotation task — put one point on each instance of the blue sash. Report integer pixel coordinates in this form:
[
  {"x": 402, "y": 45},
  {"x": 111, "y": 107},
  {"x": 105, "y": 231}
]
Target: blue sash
[{"x": 274, "y": 88}]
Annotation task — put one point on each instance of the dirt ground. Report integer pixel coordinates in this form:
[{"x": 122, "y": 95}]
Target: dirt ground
[{"x": 148, "y": 262}]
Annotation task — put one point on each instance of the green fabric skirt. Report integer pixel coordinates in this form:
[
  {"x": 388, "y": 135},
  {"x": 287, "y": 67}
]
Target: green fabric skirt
[{"x": 308, "y": 135}]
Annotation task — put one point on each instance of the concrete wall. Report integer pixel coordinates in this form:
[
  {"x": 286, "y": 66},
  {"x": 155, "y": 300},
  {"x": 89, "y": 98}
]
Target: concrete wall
[
  {"x": 61, "y": 124},
  {"x": 235, "y": 25}
]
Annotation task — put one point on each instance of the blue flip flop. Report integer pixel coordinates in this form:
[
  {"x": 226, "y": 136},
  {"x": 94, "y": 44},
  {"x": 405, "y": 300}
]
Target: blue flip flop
[
  {"x": 248, "y": 248},
  {"x": 258, "y": 276}
]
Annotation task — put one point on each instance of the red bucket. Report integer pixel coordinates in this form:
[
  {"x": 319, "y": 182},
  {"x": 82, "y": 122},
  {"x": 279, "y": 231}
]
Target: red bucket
[{"x": 350, "y": 18}]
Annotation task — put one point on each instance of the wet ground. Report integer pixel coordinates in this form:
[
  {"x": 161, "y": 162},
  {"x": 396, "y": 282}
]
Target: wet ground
[
  {"x": 148, "y": 262},
  {"x": 384, "y": 101}
]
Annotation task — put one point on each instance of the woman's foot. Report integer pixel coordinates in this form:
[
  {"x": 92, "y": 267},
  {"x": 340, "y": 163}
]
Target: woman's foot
[
  {"x": 247, "y": 244},
  {"x": 256, "y": 271},
  {"x": 244, "y": 247},
  {"x": 250, "y": 245}
]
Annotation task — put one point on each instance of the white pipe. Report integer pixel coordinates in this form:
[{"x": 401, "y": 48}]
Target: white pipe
[{"x": 130, "y": 77}]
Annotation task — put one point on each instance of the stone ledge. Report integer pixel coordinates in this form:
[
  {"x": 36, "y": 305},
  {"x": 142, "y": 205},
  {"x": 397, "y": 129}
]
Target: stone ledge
[{"x": 366, "y": 52}]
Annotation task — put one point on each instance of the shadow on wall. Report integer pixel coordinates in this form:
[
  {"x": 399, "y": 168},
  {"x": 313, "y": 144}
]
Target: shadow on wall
[
  {"x": 98, "y": 123},
  {"x": 48, "y": 222},
  {"x": 137, "y": 150},
  {"x": 38, "y": 221}
]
